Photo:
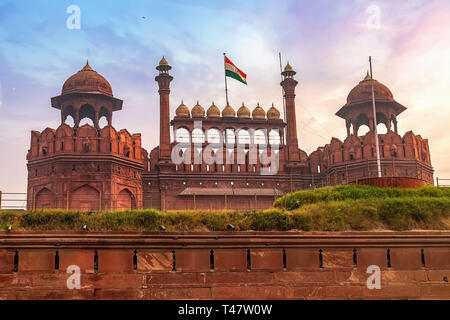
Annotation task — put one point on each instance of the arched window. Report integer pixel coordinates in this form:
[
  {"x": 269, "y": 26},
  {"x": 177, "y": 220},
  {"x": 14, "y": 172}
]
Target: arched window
[
  {"x": 230, "y": 136},
  {"x": 274, "y": 137},
  {"x": 103, "y": 117},
  {"x": 363, "y": 130},
  {"x": 382, "y": 123},
  {"x": 87, "y": 113},
  {"x": 69, "y": 115},
  {"x": 182, "y": 135},
  {"x": 198, "y": 136},
  {"x": 260, "y": 137},
  {"x": 243, "y": 136},
  {"x": 362, "y": 121},
  {"x": 214, "y": 135},
  {"x": 69, "y": 121}
]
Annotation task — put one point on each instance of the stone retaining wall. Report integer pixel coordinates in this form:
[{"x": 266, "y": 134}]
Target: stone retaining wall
[{"x": 225, "y": 265}]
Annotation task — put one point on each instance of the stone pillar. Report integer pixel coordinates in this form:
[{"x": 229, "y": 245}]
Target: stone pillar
[
  {"x": 395, "y": 125},
  {"x": 371, "y": 126},
  {"x": 289, "y": 84},
  {"x": 76, "y": 120},
  {"x": 96, "y": 120},
  {"x": 164, "y": 80},
  {"x": 355, "y": 129},
  {"x": 388, "y": 125},
  {"x": 347, "y": 124}
]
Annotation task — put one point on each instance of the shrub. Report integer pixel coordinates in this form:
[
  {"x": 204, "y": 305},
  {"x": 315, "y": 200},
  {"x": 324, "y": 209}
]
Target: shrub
[
  {"x": 353, "y": 192},
  {"x": 325, "y": 209}
]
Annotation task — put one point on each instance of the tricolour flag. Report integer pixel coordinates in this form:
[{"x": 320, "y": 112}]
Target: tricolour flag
[{"x": 233, "y": 72}]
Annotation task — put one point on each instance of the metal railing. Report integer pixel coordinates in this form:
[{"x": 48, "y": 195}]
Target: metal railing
[
  {"x": 442, "y": 182},
  {"x": 13, "y": 200},
  {"x": 106, "y": 201}
]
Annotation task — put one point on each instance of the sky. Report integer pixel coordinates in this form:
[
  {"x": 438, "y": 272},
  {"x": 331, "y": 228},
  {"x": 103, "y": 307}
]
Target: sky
[{"x": 327, "y": 42}]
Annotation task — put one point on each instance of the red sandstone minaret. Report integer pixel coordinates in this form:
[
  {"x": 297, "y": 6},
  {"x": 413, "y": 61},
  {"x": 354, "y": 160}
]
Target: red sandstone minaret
[
  {"x": 164, "y": 79},
  {"x": 289, "y": 84}
]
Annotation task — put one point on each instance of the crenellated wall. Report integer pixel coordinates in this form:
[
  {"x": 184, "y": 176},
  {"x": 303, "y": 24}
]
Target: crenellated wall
[
  {"x": 225, "y": 265},
  {"x": 85, "y": 169},
  {"x": 355, "y": 158}
]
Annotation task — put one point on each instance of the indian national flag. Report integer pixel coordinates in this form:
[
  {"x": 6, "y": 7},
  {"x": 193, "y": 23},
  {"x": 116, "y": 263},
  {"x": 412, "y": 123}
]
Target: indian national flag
[{"x": 232, "y": 71}]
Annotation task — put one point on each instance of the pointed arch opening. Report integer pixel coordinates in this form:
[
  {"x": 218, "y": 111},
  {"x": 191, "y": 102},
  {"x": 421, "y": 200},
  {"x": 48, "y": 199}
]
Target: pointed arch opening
[
  {"x": 125, "y": 200},
  {"x": 85, "y": 198},
  {"x": 45, "y": 199},
  {"x": 87, "y": 115}
]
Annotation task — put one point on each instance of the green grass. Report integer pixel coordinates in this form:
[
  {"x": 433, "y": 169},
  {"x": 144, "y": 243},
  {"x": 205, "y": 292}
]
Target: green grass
[
  {"x": 326, "y": 209},
  {"x": 355, "y": 192}
]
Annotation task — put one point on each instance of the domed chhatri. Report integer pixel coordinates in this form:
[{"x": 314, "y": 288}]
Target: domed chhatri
[
  {"x": 183, "y": 111},
  {"x": 363, "y": 91},
  {"x": 198, "y": 111},
  {"x": 243, "y": 112},
  {"x": 163, "y": 66},
  {"x": 258, "y": 113},
  {"x": 228, "y": 112},
  {"x": 273, "y": 113},
  {"x": 87, "y": 81},
  {"x": 213, "y": 111}
]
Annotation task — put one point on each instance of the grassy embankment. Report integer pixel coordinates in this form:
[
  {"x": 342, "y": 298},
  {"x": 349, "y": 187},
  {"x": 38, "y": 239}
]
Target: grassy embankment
[{"x": 325, "y": 209}]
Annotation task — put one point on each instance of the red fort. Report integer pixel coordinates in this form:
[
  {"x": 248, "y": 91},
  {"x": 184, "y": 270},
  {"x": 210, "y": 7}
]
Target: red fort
[{"x": 91, "y": 168}]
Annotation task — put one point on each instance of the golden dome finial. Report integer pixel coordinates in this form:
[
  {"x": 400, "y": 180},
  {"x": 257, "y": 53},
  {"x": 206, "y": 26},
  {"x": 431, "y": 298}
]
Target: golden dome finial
[
  {"x": 182, "y": 111},
  {"x": 258, "y": 112},
  {"x": 198, "y": 111},
  {"x": 243, "y": 111},
  {"x": 367, "y": 77},
  {"x": 273, "y": 113},
  {"x": 163, "y": 62},
  {"x": 213, "y": 111},
  {"x": 228, "y": 111},
  {"x": 288, "y": 67},
  {"x": 87, "y": 67}
]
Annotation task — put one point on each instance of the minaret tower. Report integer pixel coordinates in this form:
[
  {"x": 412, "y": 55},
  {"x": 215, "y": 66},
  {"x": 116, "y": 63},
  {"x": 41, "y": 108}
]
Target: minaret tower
[
  {"x": 164, "y": 79},
  {"x": 289, "y": 84}
]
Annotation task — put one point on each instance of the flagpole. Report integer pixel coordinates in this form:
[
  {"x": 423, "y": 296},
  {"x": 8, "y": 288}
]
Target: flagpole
[
  {"x": 225, "y": 71},
  {"x": 282, "y": 93},
  {"x": 375, "y": 121}
]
